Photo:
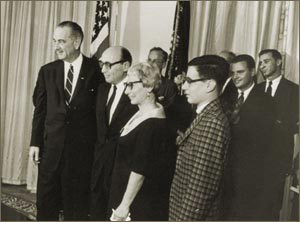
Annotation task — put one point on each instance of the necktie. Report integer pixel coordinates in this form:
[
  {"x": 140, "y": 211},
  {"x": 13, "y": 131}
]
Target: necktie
[
  {"x": 235, "y": 114},
  {"x": 109, "y": 104},
  {"x": 68, "y": 86},
  {"x": 269, "y": 89}
]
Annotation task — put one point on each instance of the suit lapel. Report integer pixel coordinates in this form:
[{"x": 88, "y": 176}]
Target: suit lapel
[
  {"x": 102, "y": 99},
  {"x": 124, "y": 101},
  {"x": 60, "y": 77},
  {"x": 83, "y": 74},
  {"x": 280, "y": 88}
]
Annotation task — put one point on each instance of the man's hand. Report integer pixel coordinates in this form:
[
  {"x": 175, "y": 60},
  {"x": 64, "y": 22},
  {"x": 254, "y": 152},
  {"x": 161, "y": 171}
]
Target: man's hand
[{"x": 34, "y": 154}]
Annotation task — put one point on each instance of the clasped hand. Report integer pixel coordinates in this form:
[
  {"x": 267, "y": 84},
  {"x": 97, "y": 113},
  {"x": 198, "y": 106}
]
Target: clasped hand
[{"x": 120, "y": 214}]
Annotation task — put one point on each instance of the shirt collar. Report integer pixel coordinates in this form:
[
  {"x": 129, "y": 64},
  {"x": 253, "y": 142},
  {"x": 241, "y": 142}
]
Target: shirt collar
[
  {"x": 76, "y": 63},
  {"x": 246, "y": 92},
  {"x": 276, "y": 81}
]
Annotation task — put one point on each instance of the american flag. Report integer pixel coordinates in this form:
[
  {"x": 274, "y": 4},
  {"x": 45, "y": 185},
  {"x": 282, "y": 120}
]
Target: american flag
[{"x": 100, "y": 35}]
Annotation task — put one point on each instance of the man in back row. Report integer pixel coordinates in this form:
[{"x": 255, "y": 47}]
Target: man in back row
[
  {"x": 178, "y": 111},
  {"x": 285, "y": 95},
  {"x": 249, "y": 190}
]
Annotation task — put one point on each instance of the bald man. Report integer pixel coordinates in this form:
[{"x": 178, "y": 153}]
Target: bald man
[{"x": 113, "y": 110}]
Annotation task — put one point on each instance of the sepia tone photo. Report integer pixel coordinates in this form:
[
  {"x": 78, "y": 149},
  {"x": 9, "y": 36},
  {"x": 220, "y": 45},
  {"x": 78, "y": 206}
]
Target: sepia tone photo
[{"x": 150, "y": 111}]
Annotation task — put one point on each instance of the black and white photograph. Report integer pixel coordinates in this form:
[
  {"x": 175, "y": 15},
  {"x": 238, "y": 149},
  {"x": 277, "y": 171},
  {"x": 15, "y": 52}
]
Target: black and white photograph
[{"x": 150, "y": 111}]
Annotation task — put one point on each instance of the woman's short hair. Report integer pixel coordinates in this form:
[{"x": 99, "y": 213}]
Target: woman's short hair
[{"x": 148, "y": 74}]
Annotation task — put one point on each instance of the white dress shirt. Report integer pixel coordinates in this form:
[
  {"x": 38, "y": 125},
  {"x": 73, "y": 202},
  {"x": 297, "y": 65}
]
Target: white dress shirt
[
  {"x": 119, "y": 91},
  {"x": 77, "y": 64},
  {"x": 246, "y": 92},
  {"x": 274, "y": 85}
]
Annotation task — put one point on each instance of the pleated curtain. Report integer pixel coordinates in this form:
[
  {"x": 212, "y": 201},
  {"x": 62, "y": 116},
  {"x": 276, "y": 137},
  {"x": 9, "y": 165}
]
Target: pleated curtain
[{"x": 246, "y": 27}]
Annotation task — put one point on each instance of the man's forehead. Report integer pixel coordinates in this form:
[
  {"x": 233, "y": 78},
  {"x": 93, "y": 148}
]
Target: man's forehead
[
  {"x": 192, "y": 72},
  {"x": 62, "y": 32},
  {"x": 266, "y": 56},
  {"x": 238, "y": 65},
  {"x": 155, "y": 54},
  {"x": 111, "y": 55}
]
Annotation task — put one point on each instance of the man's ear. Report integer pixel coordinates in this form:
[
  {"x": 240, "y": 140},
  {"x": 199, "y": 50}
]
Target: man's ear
[
  {"x": 278, "y": 62},
  {"x": 253, "y": 72},
  {"x": 77, "y": 43},
  {"x": 126, "y": 66},
  {"x": 211, "y": 85}
]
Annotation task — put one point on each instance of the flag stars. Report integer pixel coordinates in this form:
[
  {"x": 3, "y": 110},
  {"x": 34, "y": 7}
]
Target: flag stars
[{"x": 106, "y": 14}]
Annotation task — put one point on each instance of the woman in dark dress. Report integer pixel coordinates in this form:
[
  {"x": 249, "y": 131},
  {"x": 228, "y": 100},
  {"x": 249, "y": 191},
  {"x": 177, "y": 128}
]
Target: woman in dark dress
[{"x": 145, "y": 159}]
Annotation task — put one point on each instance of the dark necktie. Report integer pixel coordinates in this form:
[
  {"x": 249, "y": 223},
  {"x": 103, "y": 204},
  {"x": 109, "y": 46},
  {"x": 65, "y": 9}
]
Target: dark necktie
[
  {"x": 68, "y": 86},
  {"x": 235, "y": 114},
  {"x": 269, "y": 89},
  {"x": 109, "y": 104}
]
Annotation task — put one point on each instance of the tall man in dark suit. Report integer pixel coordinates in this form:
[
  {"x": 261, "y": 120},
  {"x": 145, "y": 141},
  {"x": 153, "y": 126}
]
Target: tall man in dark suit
[
  {"x": 286, "y": 97},
  {"x": 64, "y": 127},
  {"x": 248, "y": 188},
  {"x": 197, "y": 187},
  {"x": 113, "y": 110},
  {"x": 177, "y": 110}
]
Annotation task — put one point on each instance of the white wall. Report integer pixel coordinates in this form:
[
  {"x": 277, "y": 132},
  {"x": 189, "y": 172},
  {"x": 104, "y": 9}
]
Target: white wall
[{"x": 141, "y": 25}]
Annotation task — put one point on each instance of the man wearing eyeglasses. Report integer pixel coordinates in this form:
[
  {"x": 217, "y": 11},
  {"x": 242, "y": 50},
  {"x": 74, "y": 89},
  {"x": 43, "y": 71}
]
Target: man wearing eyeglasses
[
  {"x": 249, "y": 191},
  {"x": 113, "y": 110},
  {"x": 196, "y": 189}
]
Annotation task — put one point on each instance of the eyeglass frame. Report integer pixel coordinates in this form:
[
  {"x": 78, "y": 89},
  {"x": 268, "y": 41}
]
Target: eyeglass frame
[
  {"x": 108, "y": 65},
  {"x": 190, "y": 81},
  {"x": 130, "y": 84}
]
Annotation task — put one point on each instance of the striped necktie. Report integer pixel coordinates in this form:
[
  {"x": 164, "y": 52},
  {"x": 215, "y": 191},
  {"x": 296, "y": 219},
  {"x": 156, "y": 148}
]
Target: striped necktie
[
  {"x": 235, "y": 117},
  {"x": 68, "y": 86},
  {"x": 109, "y": 104}
]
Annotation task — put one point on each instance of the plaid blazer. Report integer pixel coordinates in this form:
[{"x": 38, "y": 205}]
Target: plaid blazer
[{"x": 197, "y": 184}]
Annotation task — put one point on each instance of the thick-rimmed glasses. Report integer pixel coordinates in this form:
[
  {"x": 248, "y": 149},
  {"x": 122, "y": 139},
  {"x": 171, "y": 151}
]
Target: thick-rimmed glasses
[
  {"x": 189, "y": 80},
  {"x": 108, "y": 65},
  {"x": 130, "y": 84}
]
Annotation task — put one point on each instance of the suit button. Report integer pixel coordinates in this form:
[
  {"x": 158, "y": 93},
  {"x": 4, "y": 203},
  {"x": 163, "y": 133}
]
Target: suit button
[
  {"x": 67, "y": 122},
  {"x": 74, "y": 107}
]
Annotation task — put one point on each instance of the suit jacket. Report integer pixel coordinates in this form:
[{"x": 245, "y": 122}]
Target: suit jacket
[
  {"x": 249, "y": 188},
  {"x": 57, "y": 127},
  {"x": 167, "y": 92},
  {"x": 228, "y": 96},
  {"x": 108, "y": 135},
  {"x": 197, "y": 185},
  {"x": 287, "y": 116}
]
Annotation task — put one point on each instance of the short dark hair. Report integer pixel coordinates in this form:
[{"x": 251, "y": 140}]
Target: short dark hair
[
  {"x": 76, "y": 29},
  {"x": 211, "y": 67},
  {"x": 126, "y": 55},
  {"x": 275, "y": 53},
  {"x": 163, "y": 52},
  {"x": 245, "y": 58},
  {"x": 230, "y": 56}
]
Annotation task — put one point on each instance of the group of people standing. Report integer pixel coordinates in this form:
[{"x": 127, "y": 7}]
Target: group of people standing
[{"x": 115, "y": 141}]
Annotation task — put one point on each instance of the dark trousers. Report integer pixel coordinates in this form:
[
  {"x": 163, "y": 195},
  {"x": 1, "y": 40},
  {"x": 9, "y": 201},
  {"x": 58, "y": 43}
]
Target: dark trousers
[{"x": 67, "y": 187}]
